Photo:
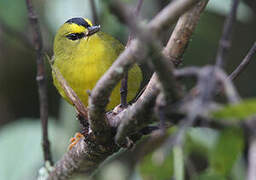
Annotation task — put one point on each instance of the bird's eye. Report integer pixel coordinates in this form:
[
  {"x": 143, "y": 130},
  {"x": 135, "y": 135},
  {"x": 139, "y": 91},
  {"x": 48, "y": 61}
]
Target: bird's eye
[{"x": 75, "y": 36}]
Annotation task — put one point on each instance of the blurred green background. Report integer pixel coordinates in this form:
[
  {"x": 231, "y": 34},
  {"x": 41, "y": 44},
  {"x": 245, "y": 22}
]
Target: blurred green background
[{"x": 20, "y": 133}]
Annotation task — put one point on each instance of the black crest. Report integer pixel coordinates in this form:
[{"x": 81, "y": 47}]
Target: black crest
[{"x": 79, "y": 21}]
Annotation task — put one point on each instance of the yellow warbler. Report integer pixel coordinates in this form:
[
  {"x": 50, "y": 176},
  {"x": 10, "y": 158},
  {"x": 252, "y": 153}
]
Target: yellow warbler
[{"x": 82, "y": 54}]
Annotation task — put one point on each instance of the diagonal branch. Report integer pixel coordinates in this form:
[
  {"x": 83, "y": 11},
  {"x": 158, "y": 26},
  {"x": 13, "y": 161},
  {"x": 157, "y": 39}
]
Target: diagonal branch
[
  {"x": 189, "y": 20},
  {"x": 81, "y": 109},
  {"x": 160, "y": 63},
  {"x": 166, "y": 17},
  {"x": 170, "y": 14},
  {"x": 102, "y": 91},
  {"x": 244, "y": 63},
  {"x": 182, "y": 33},
  {"x": 41, "y": 82}
]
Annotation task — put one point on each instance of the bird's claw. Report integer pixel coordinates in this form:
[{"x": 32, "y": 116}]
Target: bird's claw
[{"x": 74, "y": 140}]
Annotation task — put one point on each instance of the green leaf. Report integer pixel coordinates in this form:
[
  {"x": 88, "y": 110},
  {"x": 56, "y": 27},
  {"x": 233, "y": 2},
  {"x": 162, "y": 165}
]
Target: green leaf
[
  {"x": 210, "y": 176},
  {"x": 240, "y": 111},
  {"x": 154, "y": 166},
  {"x": 227, "y": 150},
  {"x": 200, "y": 140},
  {"x": 158, "y": 164}
]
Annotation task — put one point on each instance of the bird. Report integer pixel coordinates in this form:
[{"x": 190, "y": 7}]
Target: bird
[{"x": 82, "y": 54}]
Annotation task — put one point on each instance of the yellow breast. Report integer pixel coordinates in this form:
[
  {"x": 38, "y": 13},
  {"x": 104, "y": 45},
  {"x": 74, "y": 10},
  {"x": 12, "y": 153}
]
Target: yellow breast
[{"x": 84, "y": 65}]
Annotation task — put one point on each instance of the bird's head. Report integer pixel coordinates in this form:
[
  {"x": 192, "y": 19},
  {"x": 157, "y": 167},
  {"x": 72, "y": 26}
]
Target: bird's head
[{"x": 72, "y": 32}]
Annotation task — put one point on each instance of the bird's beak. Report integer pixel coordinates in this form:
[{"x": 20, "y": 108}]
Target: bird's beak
[{"x": 92, "y": 30}]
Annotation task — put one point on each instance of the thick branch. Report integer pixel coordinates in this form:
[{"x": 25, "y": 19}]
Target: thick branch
[
  {"x": 170, "y": 14},
  {"x": 161, "y": 65},
  {"x": 159, "y": 62},
  {"x": 182, "y": 33},
  {"x": 188, "y": 20},
  {"x": 41, "y": 82},
  {"x": 102, "y": 91},
  {"x": 85, "y": 157},
  {"x": 166, "y": 17}
]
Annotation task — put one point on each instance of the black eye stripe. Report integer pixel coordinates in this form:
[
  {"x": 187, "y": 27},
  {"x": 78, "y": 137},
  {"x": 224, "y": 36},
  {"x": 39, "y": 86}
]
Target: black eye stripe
[{"x": 75, "y": 36}]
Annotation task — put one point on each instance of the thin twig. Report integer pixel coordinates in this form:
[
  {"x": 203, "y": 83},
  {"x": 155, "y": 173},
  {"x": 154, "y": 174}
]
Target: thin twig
[
  {"x": 244, "y": 63},
  {"x": 124, "y": 90},
  {"x": 187, "y": 72},
  {"x": 94, "y": 12},
  {"x": 135, "y": 117},
  {"x": 228, "y": 87},
  {"x": 198, "y": 106},
  {"x": 42, "y": 88},
  {"x": 225, "y": 41},
  {"x": 124, "y": 81},
  {"x": 138, "y": 7},
  {"x": 135, "y": 15}
]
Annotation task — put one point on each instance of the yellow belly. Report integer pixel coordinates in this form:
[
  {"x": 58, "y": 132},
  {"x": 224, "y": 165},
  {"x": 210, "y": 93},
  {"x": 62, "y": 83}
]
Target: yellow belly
[{"x": 82, "y": 70}]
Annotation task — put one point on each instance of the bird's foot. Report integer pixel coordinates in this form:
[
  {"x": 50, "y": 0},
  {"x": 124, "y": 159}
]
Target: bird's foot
[{"x": 74, "y": 140}]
